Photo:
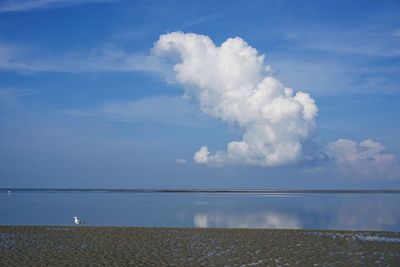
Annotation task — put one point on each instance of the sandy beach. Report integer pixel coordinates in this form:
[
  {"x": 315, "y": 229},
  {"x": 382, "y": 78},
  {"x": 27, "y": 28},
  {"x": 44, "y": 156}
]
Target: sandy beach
[{"x": 135, "y": 246}]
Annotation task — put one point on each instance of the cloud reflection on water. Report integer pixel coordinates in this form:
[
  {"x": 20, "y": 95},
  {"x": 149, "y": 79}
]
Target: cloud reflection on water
[
  {"x": 376, "y": 216},
  {"x": 252, "y": 220},
  {"x": 348, "y": 212}
]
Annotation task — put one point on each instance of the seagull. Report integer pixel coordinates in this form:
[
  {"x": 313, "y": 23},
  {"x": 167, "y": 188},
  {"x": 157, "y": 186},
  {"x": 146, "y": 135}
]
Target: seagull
[{"x": 77, "y": 221}]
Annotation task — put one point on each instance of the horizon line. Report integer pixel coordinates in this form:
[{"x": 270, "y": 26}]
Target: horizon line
[{"x": 193, "y": 190}]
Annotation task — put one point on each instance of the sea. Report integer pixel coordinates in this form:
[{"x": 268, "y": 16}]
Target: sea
[{"x": 281, "y": 209}]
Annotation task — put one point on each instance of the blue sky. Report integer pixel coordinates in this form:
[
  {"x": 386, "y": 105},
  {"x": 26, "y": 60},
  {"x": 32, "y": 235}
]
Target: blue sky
[{"x": 85, "y": 101}]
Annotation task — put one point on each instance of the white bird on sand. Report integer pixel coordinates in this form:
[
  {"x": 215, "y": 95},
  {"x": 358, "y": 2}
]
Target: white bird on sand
[{"x": 78, "y": 221}]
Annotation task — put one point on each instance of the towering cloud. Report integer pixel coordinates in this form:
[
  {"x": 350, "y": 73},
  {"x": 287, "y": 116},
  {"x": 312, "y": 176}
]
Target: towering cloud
[{"x": 231, "y": 83}]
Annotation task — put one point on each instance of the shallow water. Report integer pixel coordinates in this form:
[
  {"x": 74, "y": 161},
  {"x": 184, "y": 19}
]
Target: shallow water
[{"x": 375, "y": 211}]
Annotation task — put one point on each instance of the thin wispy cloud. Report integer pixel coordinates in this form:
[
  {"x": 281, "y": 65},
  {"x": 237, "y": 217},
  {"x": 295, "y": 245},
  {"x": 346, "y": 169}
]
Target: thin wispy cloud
[
  {"x": 159, "y": 110},
  {"x": 351, "y": 61},
  {"x": 336, "y": 77},
  {"x": 180, "y": 161},
  {"x": 396, "y": 32},
  {"x": 13, "y": 95},
  {"x": 27, "y": 5},
  {"x": 195, "y": 22},
  {"x": 104, "y": 59},
  {"x": 7, "y": 94},
  {"x": 372, "y": 41},
  {"x": 367, "y": 47}
]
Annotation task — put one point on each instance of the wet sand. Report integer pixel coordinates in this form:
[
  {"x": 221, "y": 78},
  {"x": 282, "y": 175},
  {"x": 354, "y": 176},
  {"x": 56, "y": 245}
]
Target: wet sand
[{"x": 135, "y": 246}]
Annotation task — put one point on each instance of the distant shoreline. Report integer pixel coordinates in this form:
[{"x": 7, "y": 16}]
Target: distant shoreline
[{"x": 247, "y": 191}]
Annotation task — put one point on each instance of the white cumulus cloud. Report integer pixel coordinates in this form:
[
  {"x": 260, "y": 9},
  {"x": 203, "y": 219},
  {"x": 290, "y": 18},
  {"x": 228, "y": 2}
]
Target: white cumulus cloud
[
  {"x": 365, "y": 159},
  {"x": 202, "y": 155},
  {"x": 231, "y": 82}
]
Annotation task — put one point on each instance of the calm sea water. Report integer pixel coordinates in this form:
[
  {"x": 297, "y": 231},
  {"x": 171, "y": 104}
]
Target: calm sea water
[{"x": 380, "y": 211}]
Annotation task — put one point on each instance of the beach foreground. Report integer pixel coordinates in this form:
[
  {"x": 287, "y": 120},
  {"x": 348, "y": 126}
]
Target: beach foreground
[{"x": 118, "y": 246}]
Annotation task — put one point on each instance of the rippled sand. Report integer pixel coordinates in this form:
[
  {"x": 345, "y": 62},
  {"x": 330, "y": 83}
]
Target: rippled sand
[{"x": 119, "y": 246}]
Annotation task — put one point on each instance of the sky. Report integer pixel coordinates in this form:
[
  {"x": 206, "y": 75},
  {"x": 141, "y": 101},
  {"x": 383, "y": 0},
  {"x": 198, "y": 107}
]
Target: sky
[{"x": 199, "y": 94}]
